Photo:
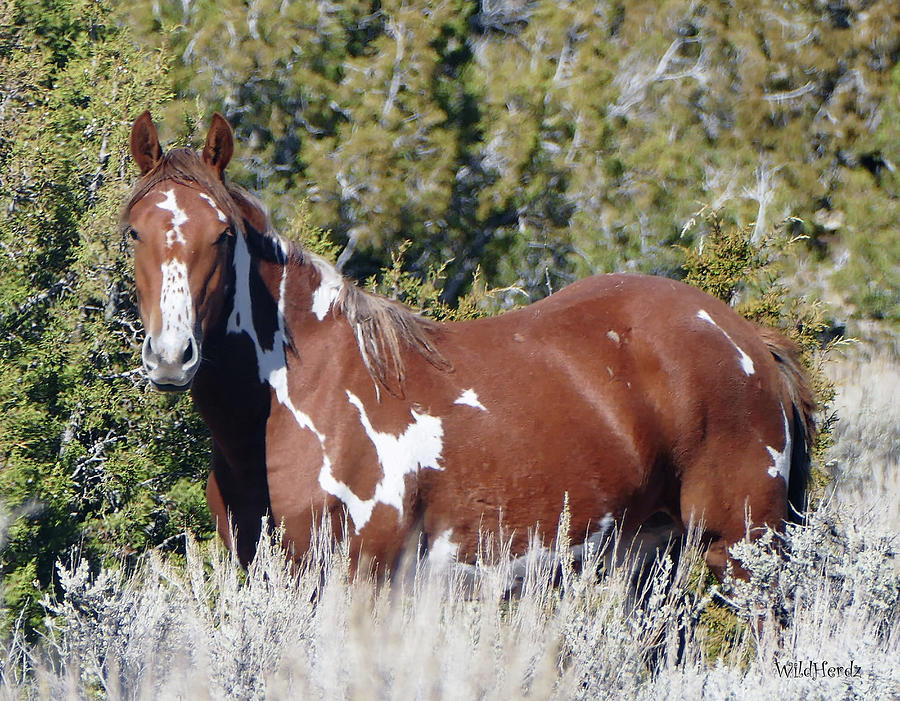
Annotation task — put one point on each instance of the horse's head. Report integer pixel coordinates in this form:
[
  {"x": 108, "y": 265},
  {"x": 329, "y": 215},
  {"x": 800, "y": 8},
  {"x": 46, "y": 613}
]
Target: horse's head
[{"x": 182, "y": 218}]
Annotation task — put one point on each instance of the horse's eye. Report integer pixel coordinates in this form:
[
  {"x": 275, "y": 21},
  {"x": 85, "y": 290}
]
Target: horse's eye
[{"x": 224, "y": 236}]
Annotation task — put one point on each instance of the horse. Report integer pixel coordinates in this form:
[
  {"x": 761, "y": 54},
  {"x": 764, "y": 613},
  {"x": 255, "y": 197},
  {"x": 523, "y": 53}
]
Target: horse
[{"x": 637, "y": 399}]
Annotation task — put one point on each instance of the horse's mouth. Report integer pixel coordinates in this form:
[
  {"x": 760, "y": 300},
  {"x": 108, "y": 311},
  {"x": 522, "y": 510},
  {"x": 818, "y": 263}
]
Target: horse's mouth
[{"x": 168, "y": 387}]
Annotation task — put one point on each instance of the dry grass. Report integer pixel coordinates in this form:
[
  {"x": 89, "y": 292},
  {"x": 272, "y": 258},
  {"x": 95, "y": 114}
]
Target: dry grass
[
  {"x": 205, "y": 629},
  {"x": 865, "y": 459}
]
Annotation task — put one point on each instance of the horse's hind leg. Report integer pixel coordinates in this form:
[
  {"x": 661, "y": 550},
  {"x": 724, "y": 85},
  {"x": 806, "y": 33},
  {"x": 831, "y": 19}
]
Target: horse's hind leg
[{"x": 735, "y": 496}]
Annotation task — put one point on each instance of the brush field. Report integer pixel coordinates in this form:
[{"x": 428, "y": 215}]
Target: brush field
[{"x": 826, "y": 622}]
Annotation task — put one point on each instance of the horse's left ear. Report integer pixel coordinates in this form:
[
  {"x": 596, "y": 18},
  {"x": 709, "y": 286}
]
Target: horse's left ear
[{"x": 219, "y": 144}]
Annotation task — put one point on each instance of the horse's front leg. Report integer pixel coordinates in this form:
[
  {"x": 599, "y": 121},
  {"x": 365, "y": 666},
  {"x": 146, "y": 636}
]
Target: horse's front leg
[{"x": 237, "y": 506}]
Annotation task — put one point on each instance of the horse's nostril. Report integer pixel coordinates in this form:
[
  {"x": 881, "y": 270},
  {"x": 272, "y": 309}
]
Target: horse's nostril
[{"x": 188, "y": 354}]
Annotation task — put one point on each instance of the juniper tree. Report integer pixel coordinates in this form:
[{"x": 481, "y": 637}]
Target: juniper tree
[
  {"x": 544, "y": 140},
  {"x": 87, "y": 458}
]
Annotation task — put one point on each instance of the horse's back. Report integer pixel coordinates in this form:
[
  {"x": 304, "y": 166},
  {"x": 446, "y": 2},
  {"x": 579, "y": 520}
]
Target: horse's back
[
  {"x": 618, "y": 390},
  {"x": 662, "y": 340}
]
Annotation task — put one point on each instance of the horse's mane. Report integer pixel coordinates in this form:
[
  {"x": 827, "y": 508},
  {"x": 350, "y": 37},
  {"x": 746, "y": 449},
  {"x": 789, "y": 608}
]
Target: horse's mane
[{"x": 382, "y": 327}]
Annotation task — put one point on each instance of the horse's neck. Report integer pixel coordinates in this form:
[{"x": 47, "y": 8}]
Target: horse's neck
[{"x": 276, "y": 300}]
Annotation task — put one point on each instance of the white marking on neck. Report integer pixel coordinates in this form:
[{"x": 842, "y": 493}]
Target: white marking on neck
[
  {"x": 271, "y": 363},
  {"x": 241, "y": 318},
  {"x": 330, "y": 285},
  {"x": 169, "y": 204},
  {"x": 781, "y": 461},
  {"x": 176, "y": 308},
  {"x": 745, "y": 360},
  {"x": 418, "y": 447},
  {"x": 272, "y": 366},
  {"x": 212, "y": 203},
  {"x": 469, "y": 398}
]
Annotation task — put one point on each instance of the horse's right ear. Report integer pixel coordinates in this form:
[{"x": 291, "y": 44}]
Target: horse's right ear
[{"x": 145, "y": 148}]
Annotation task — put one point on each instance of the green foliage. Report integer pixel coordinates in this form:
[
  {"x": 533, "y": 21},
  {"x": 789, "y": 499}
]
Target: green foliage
[
  {"x": 725, "y": 636},
  {"x": 723, "y": 261},
  {"x": 424, "y": 293},
  {"x": 87, "y": 457},
  {"x": 541, "y": 141},
  {"x": 396, "y": 281}
]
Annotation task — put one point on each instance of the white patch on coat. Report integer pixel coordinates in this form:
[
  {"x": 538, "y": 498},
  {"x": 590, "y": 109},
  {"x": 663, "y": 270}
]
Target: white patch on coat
[
  {"x": 443, "y": 552},
  {"x": 360, "y": 510},
  {"x": 745, "y": 360},
  {"x": 418, "y": 447},
  {"x": 330, "y": 285},
  {"x": 781, "y": 461},
  {"x": 177, "y": 310},
  {"x": 212, "y": 203},
  {"x": 469, "y": 398},
  {"x": 179, "y": 217},
  {"x": 613, "y": 336}
]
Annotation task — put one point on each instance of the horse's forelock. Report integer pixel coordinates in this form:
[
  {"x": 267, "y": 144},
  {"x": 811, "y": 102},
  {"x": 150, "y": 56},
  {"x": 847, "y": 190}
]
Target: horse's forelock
[{"x": 184, "y": 166}]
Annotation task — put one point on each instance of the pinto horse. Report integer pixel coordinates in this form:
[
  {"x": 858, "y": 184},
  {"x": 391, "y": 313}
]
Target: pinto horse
[{"x": 636, "y": 396}]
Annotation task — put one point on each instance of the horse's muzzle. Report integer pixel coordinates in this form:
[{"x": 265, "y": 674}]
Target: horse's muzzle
[{"x": 171, "y": 361}]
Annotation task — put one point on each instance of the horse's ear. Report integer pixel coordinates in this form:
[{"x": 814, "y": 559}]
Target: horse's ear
[
  {"x": 219, "y": 144},
  {"x": 145, "y": 148}
]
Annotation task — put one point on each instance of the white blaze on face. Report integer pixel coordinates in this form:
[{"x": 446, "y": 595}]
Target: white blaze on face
[
  {"x": 745, "y": 360},
  {"x": 781, "y": 461},
  {"x": 175, "y": 306},
  {"x": 179, "y": 218},
  {"x": 469, "y": 398}
]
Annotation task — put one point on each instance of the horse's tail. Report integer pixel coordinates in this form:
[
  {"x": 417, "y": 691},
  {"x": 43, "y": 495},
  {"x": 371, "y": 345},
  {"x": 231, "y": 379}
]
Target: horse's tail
[{"x": 796, "y": 382}]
